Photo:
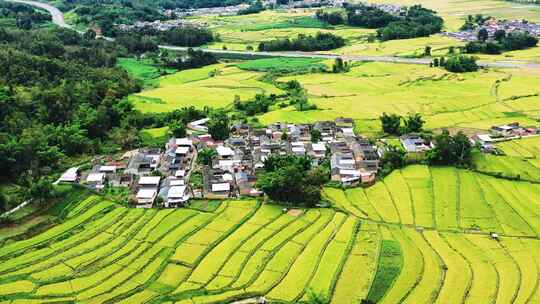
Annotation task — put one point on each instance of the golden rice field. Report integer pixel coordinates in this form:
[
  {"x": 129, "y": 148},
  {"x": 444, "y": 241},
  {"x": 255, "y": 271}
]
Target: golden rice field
[
  {"x": 473, "y": 100},
  {"x": 421, "y": 236},
  {"x": 211, "y": 86},
  {"x": 521, "y": 160}
]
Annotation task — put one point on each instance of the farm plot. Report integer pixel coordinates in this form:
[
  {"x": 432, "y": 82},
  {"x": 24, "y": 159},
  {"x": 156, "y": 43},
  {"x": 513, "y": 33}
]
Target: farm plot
[
  {"x": 213, "y": 86},
  {"x": 521, "y": 160},
  {"x": 457, "y": 272},
  {"x": 419, "y": 181},
  {"x": 388, "y": 269},
  {"x": 475, "y": 211},
  {"x": 446, "y": 197},
  {"x": 369, "y": 89}
]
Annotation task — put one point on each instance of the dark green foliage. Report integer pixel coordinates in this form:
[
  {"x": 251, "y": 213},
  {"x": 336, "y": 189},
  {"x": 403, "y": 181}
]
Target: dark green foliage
[
  {"x": 137, "y": 43},
  {"x": 474, "y": 22},
  {"x": 417, "y": 22},
  {"x": 24, "y": 16},
  {"x": 427, "y": 50},
  {"x": 42, "y": 189},
  {"x": 391, "y": 123},
  {"x": 390, "y": 264},
  {"x": 61, "y": 95},
  {"x": 333, "y": 18},
  {"x": 205, "y": 156},
  {"x": 258, "y": 105},
  {"x": 393, "y": 158},
  {"x": 502, "y": 43},
  {"x": 316, "y": 135},
  {"x": 178, "y": 129},
  {"x": 340, "y": 66},
  {"x": 499, "y": 35},
  {"x": 306, "y": 43},
  {"x": 187, "y": 36},
  {"x": 368, "y": 16},
  {"x": 289, "y": 179},
  {"x": 218, "y": 125},
  {"x": 483, "y": 35},
  {"x": 413, "y": 123},
  {"x": 3, "y": 202},
  {"x": 451, "y": 150},
  {"x": 460, "y": 64},
  {"x": 192, "y": 60},
  {"x": 254, "y": 8}
]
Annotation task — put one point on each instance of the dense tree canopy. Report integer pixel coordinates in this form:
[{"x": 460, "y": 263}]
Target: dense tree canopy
[
  {"x": 289, "y": 179},
  {"x": 451, "y": 150},
  {"x": 61, "y": 95},
  {"x": 307, "y": 43},
  {"x": 218, "y": 125}
]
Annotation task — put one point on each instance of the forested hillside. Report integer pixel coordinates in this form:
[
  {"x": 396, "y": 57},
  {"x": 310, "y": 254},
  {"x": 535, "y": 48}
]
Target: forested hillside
[{"x": 61, "y": 94}]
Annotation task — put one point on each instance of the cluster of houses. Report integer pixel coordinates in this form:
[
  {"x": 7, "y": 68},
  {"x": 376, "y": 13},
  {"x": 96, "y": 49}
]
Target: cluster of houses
[
  {"x": 395, "y": 10},
  {"x": 162, "y": 25},
  {"x": 492, "y": 25},
  {"x": 503, "y": 133},
  {"x": 162, "y": 176},
  {"x": 221, "y": 11}
]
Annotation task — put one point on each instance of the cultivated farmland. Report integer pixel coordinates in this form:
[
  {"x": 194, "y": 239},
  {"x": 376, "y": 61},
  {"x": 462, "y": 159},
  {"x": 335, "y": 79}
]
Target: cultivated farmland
[
  {"x": 103, "y": 252},
  {"x": 212, "y": 86}
]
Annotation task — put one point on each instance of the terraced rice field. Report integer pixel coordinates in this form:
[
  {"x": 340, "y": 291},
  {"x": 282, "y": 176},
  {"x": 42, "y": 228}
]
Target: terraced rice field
[
  {"x": 426, "y": 249},
  {"x": 521, "y": 160}
]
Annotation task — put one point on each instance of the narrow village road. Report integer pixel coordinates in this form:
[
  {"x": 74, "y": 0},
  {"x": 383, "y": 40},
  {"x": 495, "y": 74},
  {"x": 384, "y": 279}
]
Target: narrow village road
[{"x": 58, "y": 19}]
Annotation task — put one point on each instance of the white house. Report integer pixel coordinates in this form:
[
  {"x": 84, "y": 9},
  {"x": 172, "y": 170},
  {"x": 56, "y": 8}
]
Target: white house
[
  {"x": 149, "y": 181},
  {"x": 183, "y": 142},
  {"x": 224, "y": 152},
  {"x": 107, "y": 169},
  {"x": 182, "y": 150},
  {"x": 221, "y": 188},
  {"x": 177, "y": 195},
  {"x": 70, "y": 176},
  {"x": 96, "y": 180},
  {"x": 146, "y": 197}
]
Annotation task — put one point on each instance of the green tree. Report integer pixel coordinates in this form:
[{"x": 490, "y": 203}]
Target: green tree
[
  {"x": 393, "y": 158},
  {"x": 451, "y": 150},
  {"x": 390, "y": 123},
  {"x": 427, "y": 50},
  {"x": 205, "y": 156},
  {"x": 178, "y": 129},
  {"x": 42, "y": 189},
  {"x": 316, "y": 135},
  {"x": 414, "y": 123},
  {"x": 218, "y": 125},
  {"x": 499, "y": 35},
  {"x": 3, "y": 203},
  {"x": 289, "y": 179},
  {"x": 483, "y": 35}
]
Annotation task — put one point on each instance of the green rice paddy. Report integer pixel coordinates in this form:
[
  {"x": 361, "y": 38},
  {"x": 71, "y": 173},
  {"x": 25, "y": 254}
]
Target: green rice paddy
[{"x": 234, "y": 250}]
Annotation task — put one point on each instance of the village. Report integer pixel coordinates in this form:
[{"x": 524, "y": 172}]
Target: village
[
  {"x": 181, "y": 17},
  {"x": 172, "y": 175},
  {"x": 493, "y": 25}
]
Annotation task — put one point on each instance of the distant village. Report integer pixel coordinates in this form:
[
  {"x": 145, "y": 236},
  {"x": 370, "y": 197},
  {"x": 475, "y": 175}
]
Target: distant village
[
  {"x": 492, "y": 25},
  {"x": 180, "y": 17}
]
